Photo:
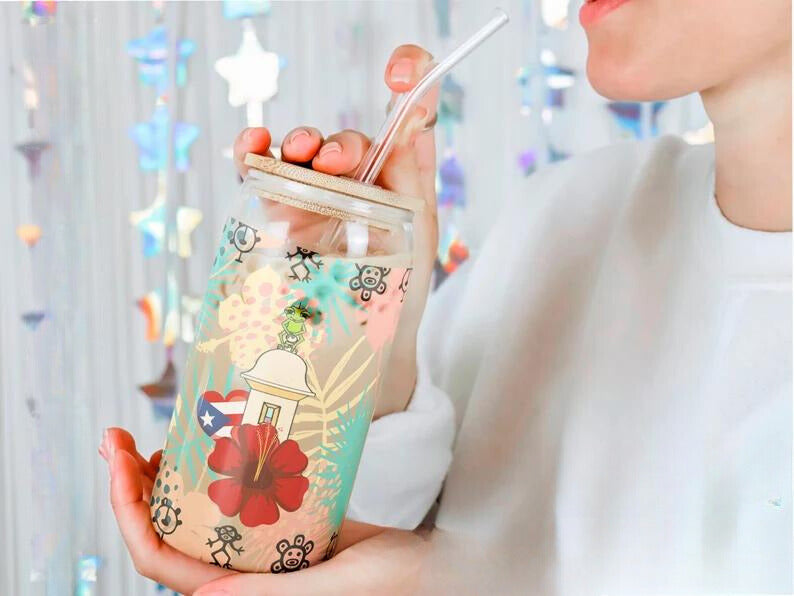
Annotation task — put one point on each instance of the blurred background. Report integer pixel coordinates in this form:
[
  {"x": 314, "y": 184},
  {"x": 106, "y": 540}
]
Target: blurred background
[{"x": 116, "y": 122}]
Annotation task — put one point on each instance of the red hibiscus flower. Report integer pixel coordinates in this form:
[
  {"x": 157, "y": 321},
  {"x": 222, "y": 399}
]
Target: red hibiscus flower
[{"x": 265, "y": 474}]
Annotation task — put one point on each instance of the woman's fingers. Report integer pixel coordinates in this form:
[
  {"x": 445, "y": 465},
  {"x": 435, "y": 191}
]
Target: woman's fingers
[
  {"x": 301, "y": 144},
  {"x": 341, "y": 153},
  {"x": 151, "y": 557},
  {"x": 415, "y": 149},
  {"x": 132, "y": 513},
  {"x": 154, "y": 460},
  {"x": 406, "y": 66},
  {"x": 118, "y": 438},
  {"x": 385, "y": 563},
  {"x": 251, "y": 140}
]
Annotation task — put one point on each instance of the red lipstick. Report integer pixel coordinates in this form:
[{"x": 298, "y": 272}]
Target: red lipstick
[{"x": 593, "y": 11}]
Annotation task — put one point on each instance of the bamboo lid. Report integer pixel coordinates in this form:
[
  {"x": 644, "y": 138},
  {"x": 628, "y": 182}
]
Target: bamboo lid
[{"x": 339, "y": 184}]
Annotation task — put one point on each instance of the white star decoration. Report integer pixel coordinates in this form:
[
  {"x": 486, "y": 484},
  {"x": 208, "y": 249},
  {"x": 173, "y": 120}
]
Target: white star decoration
[
  {"x": 252, "y": 74},
  {"x": 151, "y": 222},
  {"x": 206, "y": 419}
]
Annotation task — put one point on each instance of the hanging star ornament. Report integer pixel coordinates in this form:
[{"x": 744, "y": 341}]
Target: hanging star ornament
[
  {"x": 32, "y": 151},
  {"x": 527, "y": 161},
  {"x": 628, "y": 115},
  {"x": 151, "y": 223},
  {"x": 180, "y": 318},
  {"x": 554, "y": 78},
  {"x": 30, "y": 234},
  {"x": 252, "y": 74},
  {"x": 245, "y": 9},
  {"x": 151, "y": 305},
  {"x": 38, "y": 12},
  {"x": 450, "y": 105},
  {"x": 152, "y": 140},
  {"x": 162, "y": 391},
  {"x": 184, "y": 49},
  {"x": 555, "y": 13},
  {"x": 556, "y": 155},
  {"x": 557, "y": 77},
  {"x": 187, "y": 219},
  {"x": 86, "y": 576},
  {"x": 184, "y": 135},
  {"x": 452, "y": 252},
  {"x": 700, "y": 136},
  {"x": 451, "y": 183},
  {"x": 151, "y": 54},
  {"x": 33, "y": 318}
]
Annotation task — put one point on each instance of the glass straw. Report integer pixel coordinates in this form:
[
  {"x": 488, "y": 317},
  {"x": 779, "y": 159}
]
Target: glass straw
[{"x": 373, "y": 161}]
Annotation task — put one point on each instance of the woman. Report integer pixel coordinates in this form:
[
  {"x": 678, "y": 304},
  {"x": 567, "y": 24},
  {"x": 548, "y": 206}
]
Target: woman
[{"x": 618, "y": 356}]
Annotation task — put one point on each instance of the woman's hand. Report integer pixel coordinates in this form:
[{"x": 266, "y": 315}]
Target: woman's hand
[
  {"x": 131, "y": 479},
  {"x": 368, "y": 557},
  {"x": 382, "y": 561},
  {"x": 410, "y": 170}
]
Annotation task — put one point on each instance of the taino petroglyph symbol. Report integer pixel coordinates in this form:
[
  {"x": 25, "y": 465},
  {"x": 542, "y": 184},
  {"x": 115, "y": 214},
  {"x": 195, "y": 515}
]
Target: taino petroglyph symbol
[
  {"x": 166, "y": 517},
  {"x": 369, "y": 279},
  {"x": 243, "y": 238},
  {"x": 292, "y": 555},
  {"x": 227, "y": 536},
  {"x": 300, "y": 269}
]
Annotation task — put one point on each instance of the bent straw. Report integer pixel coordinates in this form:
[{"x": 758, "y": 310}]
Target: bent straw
[{"x": 373, "y": 161}]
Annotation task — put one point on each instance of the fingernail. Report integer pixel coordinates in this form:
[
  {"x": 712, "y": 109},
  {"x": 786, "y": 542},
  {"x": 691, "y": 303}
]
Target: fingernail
[
  {"x": 103, "y": 446},
  {"x": 401, "y": 71},
  {"x": 249, "y": 132},
  {"x": 297, "y": 135},
  {"x": 328, "y": 148},
  {"x": 111, "y": 453}
]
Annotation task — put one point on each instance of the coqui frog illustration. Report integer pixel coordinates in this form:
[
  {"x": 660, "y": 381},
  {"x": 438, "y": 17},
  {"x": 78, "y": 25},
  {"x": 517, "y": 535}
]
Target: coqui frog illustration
[{"x": 294, "y": 326}]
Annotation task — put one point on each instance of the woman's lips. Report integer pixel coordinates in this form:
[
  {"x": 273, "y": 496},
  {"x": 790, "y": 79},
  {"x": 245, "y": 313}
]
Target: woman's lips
[{"x": 594, "y": 10}]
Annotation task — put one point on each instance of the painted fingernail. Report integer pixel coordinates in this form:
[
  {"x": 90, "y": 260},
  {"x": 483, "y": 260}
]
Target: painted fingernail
[
  {"x": 301, "y": 132},
  {"x": 328, "y": 148},
  {"x": 401, "y": 71},
  {"x": 111, "y": 453},
  {"x": 248, "y": 134}
]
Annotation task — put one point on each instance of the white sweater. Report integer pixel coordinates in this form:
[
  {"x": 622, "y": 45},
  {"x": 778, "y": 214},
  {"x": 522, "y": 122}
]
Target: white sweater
[{"x": 619, "y": 360}]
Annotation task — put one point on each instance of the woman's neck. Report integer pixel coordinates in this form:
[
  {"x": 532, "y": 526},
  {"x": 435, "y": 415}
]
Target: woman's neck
[{"x": 752, "y": 132}]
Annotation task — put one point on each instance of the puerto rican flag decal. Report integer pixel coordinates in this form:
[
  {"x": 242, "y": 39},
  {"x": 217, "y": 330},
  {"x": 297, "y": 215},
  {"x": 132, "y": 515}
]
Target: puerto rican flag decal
[{"x": 218, "y": 414}]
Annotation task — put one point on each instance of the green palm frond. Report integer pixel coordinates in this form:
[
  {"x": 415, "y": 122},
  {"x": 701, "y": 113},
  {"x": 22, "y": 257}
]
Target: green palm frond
[
  {"x": 335, "y": 481},
  {"x": 186, "y": 441}
]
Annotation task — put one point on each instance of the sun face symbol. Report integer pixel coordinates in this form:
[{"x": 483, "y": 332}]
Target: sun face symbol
[{"x": 166, "y": 517}]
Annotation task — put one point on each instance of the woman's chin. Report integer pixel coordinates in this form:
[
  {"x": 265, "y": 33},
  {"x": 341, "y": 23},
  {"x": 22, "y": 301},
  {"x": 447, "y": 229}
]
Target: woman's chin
[{"x": 624, "y": 82}]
